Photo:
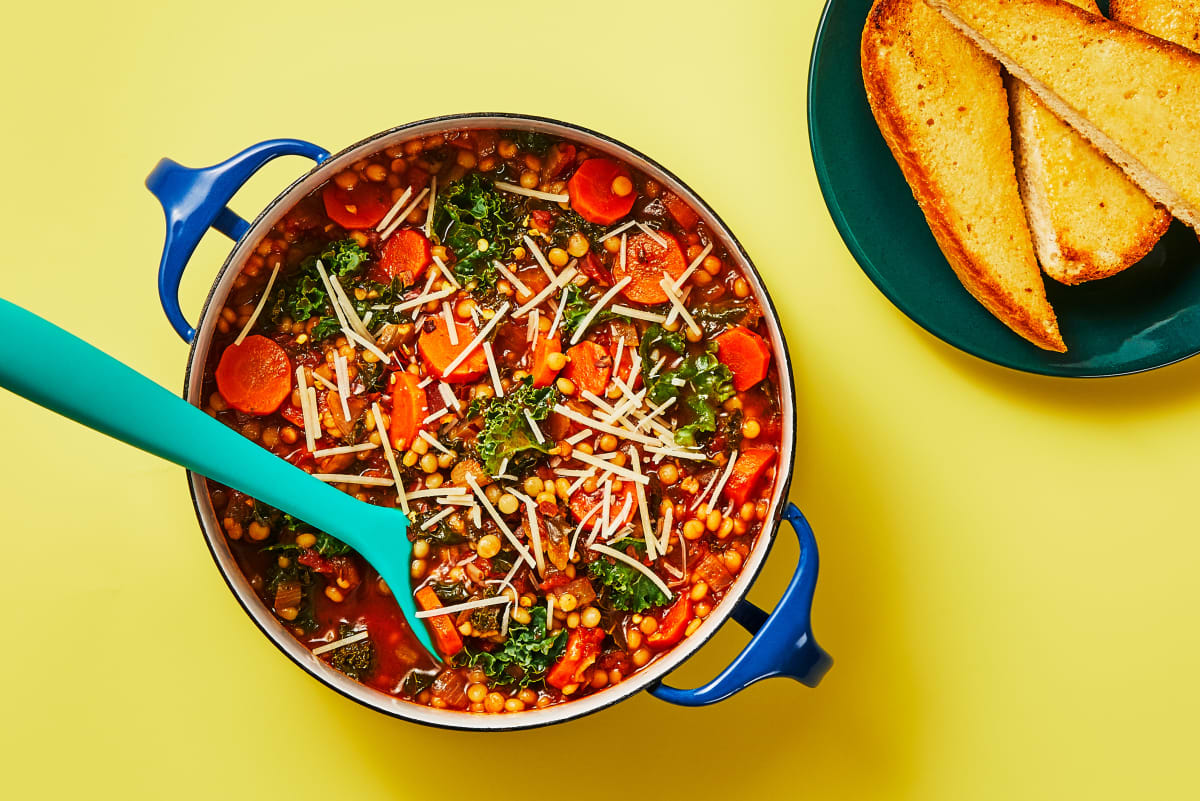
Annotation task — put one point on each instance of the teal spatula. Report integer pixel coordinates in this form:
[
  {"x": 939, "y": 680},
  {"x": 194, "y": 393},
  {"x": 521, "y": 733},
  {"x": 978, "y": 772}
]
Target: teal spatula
[{"x": 132, "y": 408}]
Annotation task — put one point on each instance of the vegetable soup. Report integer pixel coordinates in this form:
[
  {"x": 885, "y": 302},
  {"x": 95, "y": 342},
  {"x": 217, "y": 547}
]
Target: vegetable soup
[{"x": 551, "y": 364}]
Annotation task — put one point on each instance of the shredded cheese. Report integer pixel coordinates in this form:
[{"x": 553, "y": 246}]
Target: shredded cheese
[
  {"x": 402, "y": 216},
  {"x": 673, "y": 296},
  {"x": 325, "y": 382},
  {"x": 643, "y": 509},
  {"x": 446, "y": 271},
  {"x": 369, "y": 345},
  {"x": 433, "y": 521},
  {"x": 635, "y": 564},
  {"x": 691, "y": 268},
  {"x": 439, "y": 413},
  {"x": 493, "y": 370},
  {"x": 333, "y": 299},
  {"x": 258, "y": 309},
  {"x": 541, "y": 259},
  {"x": 342, "y": 478},
  {"x": 439, "y": 492},
  {"x": 343, "y": 384},
  {"x": 491, "y": 510},
  {"x": 305, "y": 412},
  {"x": 575, "y": 439},
  {"x": 650, "y": 232},
  {"x": 394, "y": 210},
  {"x": 620, "y": 229},
  {"x": 535, "y": 535},
  {"x": 451, "y": 325},
  {"x": 716, "y": 494},
  {"x": 579, "y": 528},
  {"x": 333, "y": 646},
  {"x": 566, "y": 411},
  {"x": 480, "y": 337},
  {"x": 638, "y": 314},
  {"x": 517, "y": 189},
  {"x": 533, "y": 426},
  {"x": 558, "y": 313},
  {"x": 448, "y": 396},
  {"x": 429, "y": 215},
  {"x": 348, "y": 312},
  {"x": 422, "y": 299},
  {"x": 628, "y": 475},
  {"x": 517, "y": 283},
  {"x": 622, "y": 252},
  {"x": 365, "y": 446},
  {"x": 566, "y": 275},
  {"x": 678, "y": 453},
  {"x": 454, "y": 609},
  {"x": 432, "y": 440},
  {"x": 390, "y": 455},
  {"x": 581, "y": 329}
]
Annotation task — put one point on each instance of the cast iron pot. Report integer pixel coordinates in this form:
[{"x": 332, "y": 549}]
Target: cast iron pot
[{"x": 194, "y": 200}]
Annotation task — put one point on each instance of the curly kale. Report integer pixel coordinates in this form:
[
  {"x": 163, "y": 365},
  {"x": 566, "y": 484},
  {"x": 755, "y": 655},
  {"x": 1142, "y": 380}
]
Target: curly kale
[
  {"x": 506, "y": 431},
  {"x": 356, "y": 660},
  {"x": 305, "y": 297},
  {"x": 473, "y": 210},
  {"x": 706, "y": 384},
  {"x": 528, "y": 652},
  {"x": 625, "y": 588}
]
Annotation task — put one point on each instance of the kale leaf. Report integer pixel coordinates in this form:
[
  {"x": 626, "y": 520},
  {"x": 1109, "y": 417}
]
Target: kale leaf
[
  {"x": 305, "y": 296},
  {"x": 625, "y": 588},
  {"x": 470, "y": 210},
  {"x": 528, "y": 652},
  {"x": 506, "y": 430},
  {"x": 707, "y": 384},
  {"x": 356, "y": 660},
  {"x": 568, "y": 222},
  {"x": 532, "y": 141},
  {"x": 657, "y": 338}
]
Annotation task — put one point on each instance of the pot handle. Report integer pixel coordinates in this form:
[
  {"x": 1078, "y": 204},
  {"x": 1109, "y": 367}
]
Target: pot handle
[
  {"x": 782, "y": 644},
  {"x": 193, "y": 200}
]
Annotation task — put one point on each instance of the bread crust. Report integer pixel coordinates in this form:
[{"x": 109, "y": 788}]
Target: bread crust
[
  {"x": 1176, "y": 21},
  {"x": 1135, "y": 97},
  {"x": 1033, "y": 318},
  {"x": 1088, "y": 219}
]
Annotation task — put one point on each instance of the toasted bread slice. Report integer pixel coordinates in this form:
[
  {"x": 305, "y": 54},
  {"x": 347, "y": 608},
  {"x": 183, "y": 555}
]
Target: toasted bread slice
[
  {"x": 941, "y": 106},
  {"x": 1134, "y": 96},
  {"x": 1088, "y": 219},
  {"x": 1176, "y": 21}
]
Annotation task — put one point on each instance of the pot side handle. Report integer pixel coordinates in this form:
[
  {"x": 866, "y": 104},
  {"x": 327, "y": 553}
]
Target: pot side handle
[
  {"x": 782, "y": 644},
  {"x": 193, "y": 200}
]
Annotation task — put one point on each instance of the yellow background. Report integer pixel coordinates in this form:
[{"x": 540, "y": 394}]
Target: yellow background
[{"x": 1009, "y": 563}]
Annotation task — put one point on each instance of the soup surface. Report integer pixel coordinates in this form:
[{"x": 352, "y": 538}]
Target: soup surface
[{"x": 552, "y": 364}]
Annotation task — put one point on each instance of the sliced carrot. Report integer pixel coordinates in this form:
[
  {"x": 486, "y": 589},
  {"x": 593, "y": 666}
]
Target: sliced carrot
[
  {"x": 588, "y": 367},
  {"x": 746, "y": 354},
  {"x": 543, "y": 375},
  {"x": 582, "y": 503},
  {"x": 445, "y": 637},
  {"x": 254, "y": 377},
  {"x": 406, "y": 251},
  {"x": 680, "y": 211},
  {"x": 438, "y": 352},
  {"x": 409, "y": 409},
  {"x": 645, "y": 263},
  {"x": 592, "y": 195},
  {"x": 357, "y": 208},
  {"x": 748, "y": 470}
]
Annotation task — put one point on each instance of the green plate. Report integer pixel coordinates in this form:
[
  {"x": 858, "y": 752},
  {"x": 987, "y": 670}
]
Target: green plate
[{"x": 1146, "y": 317}]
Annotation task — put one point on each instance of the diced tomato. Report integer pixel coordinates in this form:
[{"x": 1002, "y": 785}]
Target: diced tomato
[
  {"x": 357, "y": 208},
  {"x": 591, "y": 266},
  {"x": 583, "y": 647},
  {"x": 293, "y": 414},
  {"x": 582, "y": 503},
  {"x": 673, "y": 624},
  {"x": 542, "y": 220},
  {"x": 558, "y": 160},
  {"x": 406, "y": 251},
  {"x": 592, "y": 195}
]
